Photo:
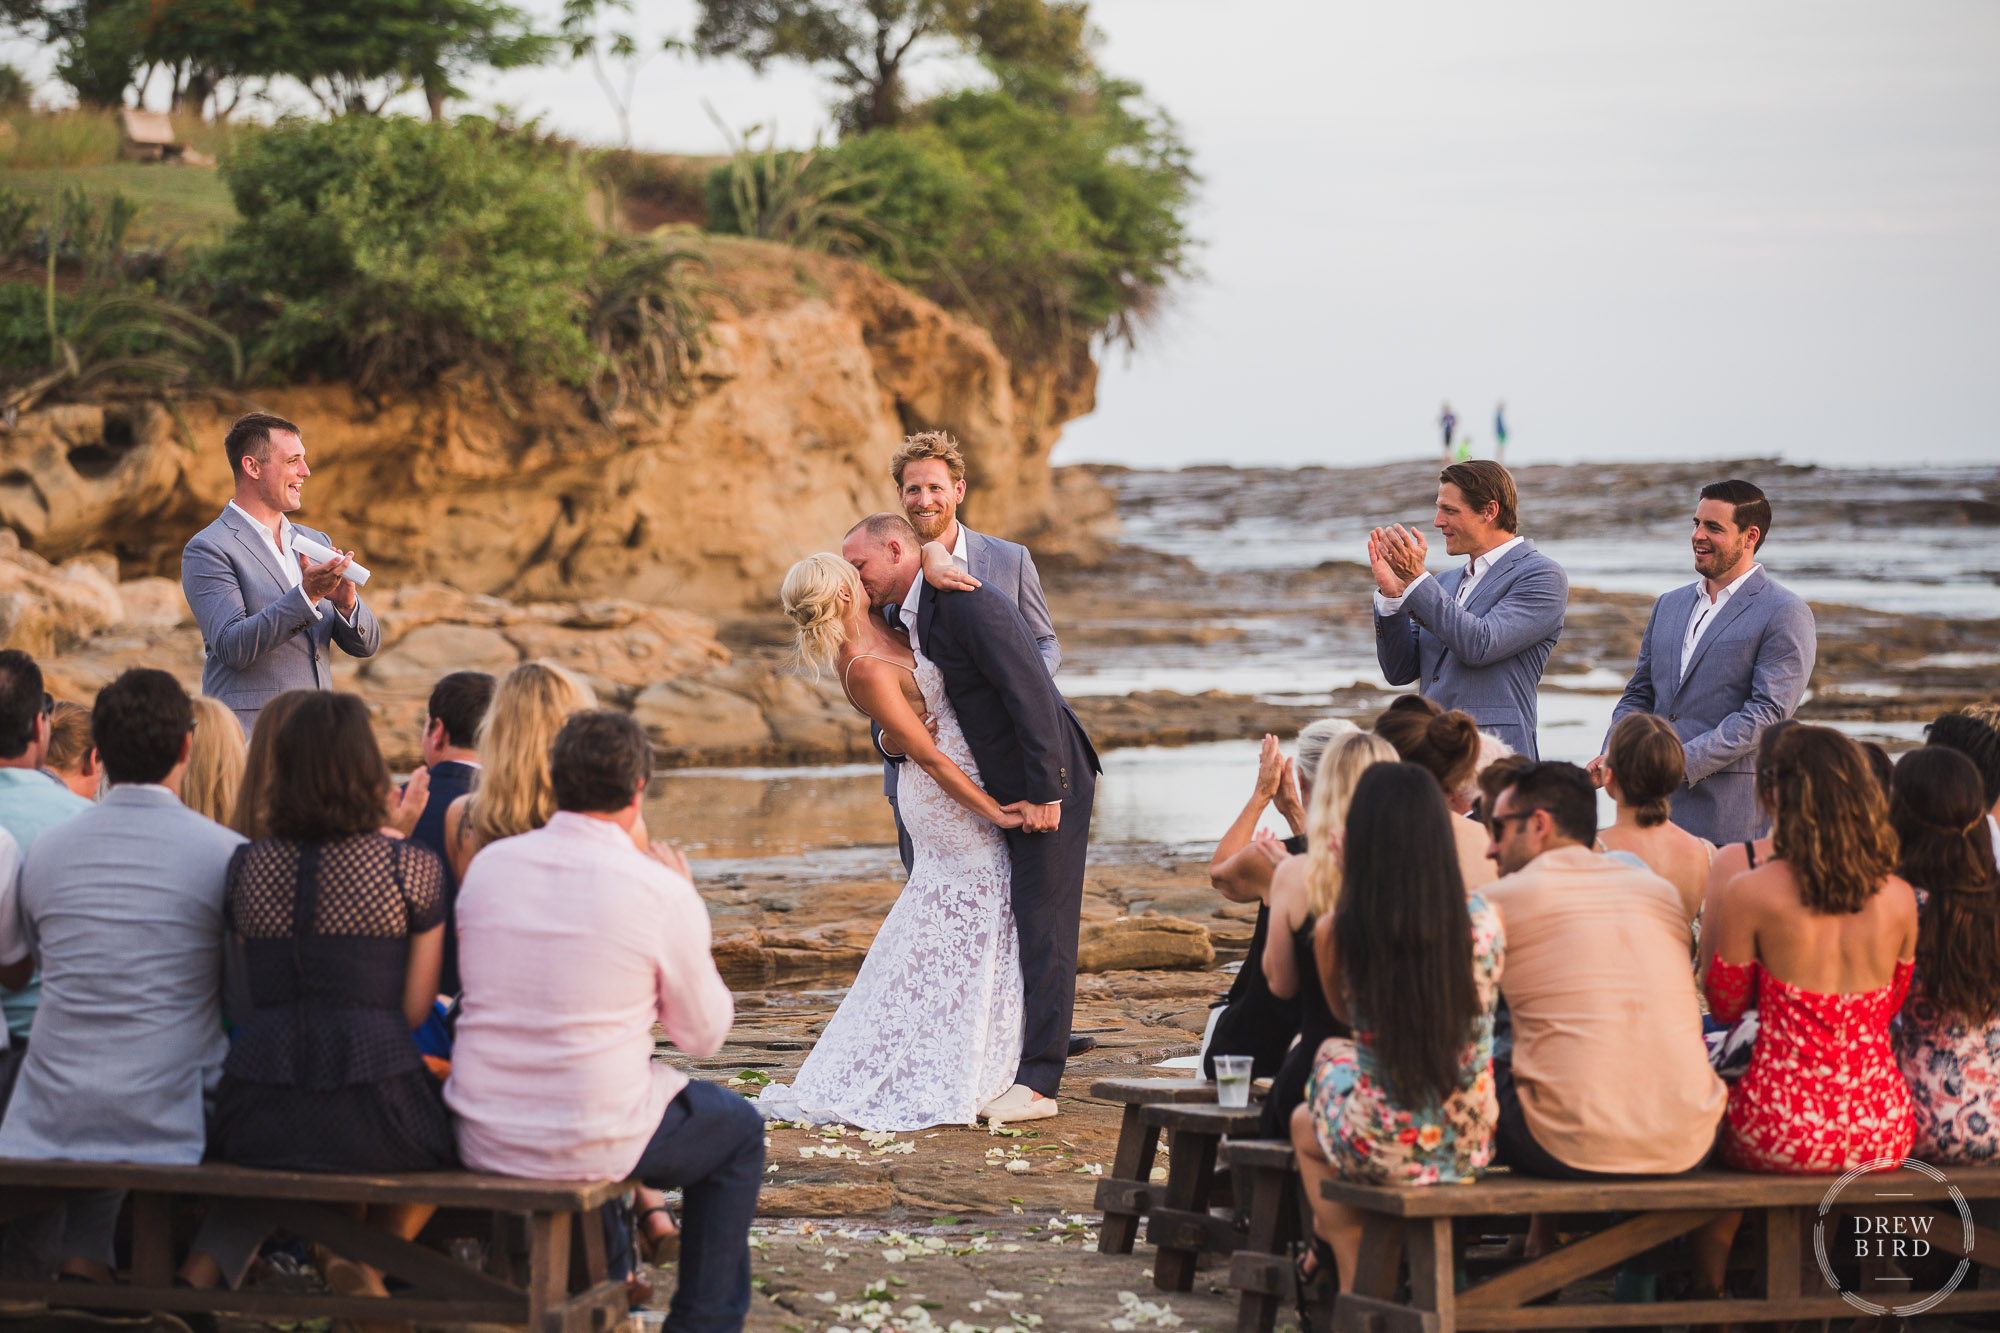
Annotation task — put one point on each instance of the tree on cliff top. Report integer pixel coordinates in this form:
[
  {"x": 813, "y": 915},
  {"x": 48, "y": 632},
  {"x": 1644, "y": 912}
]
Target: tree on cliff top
[{"x": 867, "y": 46}]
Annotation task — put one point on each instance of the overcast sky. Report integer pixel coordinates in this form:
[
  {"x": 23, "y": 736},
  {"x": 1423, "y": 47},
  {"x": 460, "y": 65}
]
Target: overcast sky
[{"x": 1698, "y": 229}]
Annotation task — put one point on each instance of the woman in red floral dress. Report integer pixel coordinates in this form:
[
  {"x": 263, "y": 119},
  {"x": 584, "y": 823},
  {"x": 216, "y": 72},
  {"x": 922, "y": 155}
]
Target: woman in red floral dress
[{"x": 1819, "y": 939}]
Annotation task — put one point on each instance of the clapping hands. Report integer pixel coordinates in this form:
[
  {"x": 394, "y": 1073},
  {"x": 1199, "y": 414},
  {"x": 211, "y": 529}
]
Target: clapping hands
[
  {"x": 1396, "y": 555},
  {"x": 406, "y": 807},
  {"x": 1278, "y": 784}
]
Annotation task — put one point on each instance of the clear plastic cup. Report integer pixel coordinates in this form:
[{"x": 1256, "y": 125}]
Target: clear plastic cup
[
  {"x": 648, "y": 1321},
  {"x": 1232, "y": 1080}
]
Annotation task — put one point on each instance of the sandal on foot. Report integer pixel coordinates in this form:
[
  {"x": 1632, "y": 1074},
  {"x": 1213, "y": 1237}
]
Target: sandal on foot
[{"x": 662, "y": 1249}]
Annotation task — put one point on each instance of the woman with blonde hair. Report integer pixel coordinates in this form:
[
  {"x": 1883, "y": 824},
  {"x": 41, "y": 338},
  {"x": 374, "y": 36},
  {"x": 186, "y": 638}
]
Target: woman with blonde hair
[
  {"x": 1304, "y": 889},
  {"x": 215, "y": 761},
  {"x": 513, "y": 793},
  {"x": 931, "y": 1031},
  {"x": 72, "y": 755}
]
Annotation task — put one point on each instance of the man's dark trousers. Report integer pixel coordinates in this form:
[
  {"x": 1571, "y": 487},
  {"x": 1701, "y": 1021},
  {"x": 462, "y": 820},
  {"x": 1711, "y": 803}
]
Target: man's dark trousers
[
  {"x": 710, "y": 1146},
  {"x": 1048, "y": 907}
]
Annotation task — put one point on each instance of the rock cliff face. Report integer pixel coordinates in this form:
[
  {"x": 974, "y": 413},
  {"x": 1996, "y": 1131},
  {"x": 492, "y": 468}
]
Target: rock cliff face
[
  {"x": 504, "y": 525},
  {"x": 818, "y": 369}
]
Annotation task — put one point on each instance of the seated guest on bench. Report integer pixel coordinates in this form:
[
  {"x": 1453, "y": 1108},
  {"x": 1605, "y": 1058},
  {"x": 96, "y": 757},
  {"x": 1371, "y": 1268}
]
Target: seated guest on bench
[
  {"x": 1739, "y": 858},
  {"x": 1446, "y": 745},
  {"x": 1408, "y": 1101},
  {"x": 71, "y": 756},
  {"x": 1252, "y": 1021},
  {"x": 1821, "y": 939},
  {"x": 572, "y": 944},
  {"x": 123, "y": 906},
  {"x": 1644, "y": 766},
  {"x": 1975, "y": 733},
  {"x": 1304, "y": 889},
  {"x": 512, "y": 794},
  {"x": 457, "y": 706},
  {"x": 1608, "y": 1077},
  {"x": 1947, "y": 1038},
  {"x": 253, "y": 794},
  {"x": 341, "y": 929},
  {"x": 215, "y": 764}
]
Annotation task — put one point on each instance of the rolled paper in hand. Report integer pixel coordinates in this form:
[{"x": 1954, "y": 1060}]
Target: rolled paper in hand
[{"x": 319, "y": 555}]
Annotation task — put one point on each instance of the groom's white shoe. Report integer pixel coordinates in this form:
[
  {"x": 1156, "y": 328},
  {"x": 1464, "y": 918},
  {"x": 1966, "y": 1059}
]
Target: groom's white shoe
[{"x": 1019, "y": 1102}]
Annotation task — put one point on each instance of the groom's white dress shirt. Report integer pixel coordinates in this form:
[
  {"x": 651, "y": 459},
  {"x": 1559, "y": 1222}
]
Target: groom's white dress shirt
[
  {"x": 288, "y": 560},
  {"x": 917, "y": 589}
]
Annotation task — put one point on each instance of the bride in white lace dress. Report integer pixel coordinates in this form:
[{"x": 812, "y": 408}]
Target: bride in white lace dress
[{"x": 930, "y": 1032}]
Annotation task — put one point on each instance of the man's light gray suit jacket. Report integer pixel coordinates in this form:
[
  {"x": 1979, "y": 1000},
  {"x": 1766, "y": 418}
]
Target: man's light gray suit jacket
[
  {"x": 257, "y": 634},
  {"x": 1749, "y": 670},
  {"x": 1485, "y": 657},
  {"x": 1009, "y": 570}
]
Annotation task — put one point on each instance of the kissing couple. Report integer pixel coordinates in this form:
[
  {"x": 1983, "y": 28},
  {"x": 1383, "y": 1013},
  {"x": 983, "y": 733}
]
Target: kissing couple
[{"x": 962, "y": 1007}]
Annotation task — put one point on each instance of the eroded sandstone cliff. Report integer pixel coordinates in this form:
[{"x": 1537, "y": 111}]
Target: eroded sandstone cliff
[{"x": 817, "y": 369}]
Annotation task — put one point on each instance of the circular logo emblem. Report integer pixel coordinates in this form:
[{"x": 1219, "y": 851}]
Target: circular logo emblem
[{"x": 1886, "y": 1228}]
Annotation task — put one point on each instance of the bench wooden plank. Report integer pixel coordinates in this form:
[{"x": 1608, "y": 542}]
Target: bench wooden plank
[
  {"x": 1501, "y": 1194},
  {"x": 1220, "y": 1121},
  {"x": 431, "y": 1273},
  {"x": 1257, "y": 1152},
  {"x": 1629, "y": 1314},
  {"x": 445, "y": 1189},
  {"x": 1580, "y": 1258},
  {"x": 1147, "y": 1091}
]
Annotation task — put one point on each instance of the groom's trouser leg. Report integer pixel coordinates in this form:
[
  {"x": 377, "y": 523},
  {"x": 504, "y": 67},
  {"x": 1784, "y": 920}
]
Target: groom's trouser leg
[
  {"x": 710, "y": 1144},
  {"x": 1048, "y": 911},
  {"x": 909, "y": 852}
]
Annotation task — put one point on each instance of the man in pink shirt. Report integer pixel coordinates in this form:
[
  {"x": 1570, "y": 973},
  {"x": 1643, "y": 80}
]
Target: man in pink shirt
[{"x": 572, "y": 944}]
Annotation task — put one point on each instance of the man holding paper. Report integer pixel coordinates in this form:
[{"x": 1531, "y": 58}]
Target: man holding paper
[{"x": 271, "y": 598}]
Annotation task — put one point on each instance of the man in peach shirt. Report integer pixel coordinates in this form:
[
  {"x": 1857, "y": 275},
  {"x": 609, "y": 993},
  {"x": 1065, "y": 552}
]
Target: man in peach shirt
[
  {"x": 1609, "y": 1075},
  {"x": 572, "y": 943}
]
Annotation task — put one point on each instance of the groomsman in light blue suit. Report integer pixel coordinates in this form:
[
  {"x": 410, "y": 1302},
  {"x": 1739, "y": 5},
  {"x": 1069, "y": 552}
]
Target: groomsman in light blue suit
[
  {"x": 1476, "y": 637},
  {"x": 1723, "y": 659}
]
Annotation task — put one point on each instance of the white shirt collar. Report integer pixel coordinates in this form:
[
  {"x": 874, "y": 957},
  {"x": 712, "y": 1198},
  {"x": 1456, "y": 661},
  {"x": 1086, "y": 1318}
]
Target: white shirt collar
[
  {"x": 284, "y": 525},
  {"x": 910, "y": 605},
  {"x": 1482, "y": 563},
  {"x": 1728, "y": 589},
  {"x": 958, "y": 546}
]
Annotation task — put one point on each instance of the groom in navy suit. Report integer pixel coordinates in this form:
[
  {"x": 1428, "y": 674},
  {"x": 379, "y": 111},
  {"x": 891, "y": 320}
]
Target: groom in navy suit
[
  {"x": 1476, "y": 637},
  {"x": 1033, "y": 757}
]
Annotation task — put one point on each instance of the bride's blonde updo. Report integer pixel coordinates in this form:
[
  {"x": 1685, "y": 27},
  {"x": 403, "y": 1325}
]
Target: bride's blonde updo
[{"x": 812, "y": 599}]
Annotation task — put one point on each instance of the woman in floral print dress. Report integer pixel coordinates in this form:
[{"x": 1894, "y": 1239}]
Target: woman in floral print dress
[
  {"x": 1947, "y": 1038},
  {"x": 1820, "y": 938},
  {"x": 1413, "y": 966}
]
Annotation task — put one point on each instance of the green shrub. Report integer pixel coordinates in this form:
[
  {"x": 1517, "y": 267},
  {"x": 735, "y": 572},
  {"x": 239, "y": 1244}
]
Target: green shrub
[
  {"x": 1048, "y": 220},
  {"x": 393, "y": 248},
  {"x": 120, "y": 335},
  {"x": 15, "y": 90}
]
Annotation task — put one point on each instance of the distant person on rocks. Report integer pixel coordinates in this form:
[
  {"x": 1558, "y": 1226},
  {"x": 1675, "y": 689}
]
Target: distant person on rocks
[
  {"x": 123, "y": 907},
  {"x": 573, "y": 944},
  {"x": 929, "y": 472},
  {"x": 1722, "y": 660},
  {"x": 452, "y": 719},
  {"x": 1500, "y": 433},
  {"x": 269, "y": 615},
  {"x": 1975, "y": 733},
  {"x": 1476, "y": 637},
  {"x": 1447, "y": 427},
  {"x": 31, "y": 802},
  {"x": 71, "y": 757}
]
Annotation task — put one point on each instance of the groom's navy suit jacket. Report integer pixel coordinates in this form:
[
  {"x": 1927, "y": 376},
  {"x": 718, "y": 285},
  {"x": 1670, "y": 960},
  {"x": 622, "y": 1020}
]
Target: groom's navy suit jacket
[{"x": 1029, "y": 747}]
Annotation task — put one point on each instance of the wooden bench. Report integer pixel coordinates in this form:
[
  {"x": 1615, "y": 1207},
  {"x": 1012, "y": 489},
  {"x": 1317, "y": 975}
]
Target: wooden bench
[
  {"x": 1180, "y": 1225},
  {"x": 1412, "y": 1229},
  {"x": 564, "y": 1286},
  {"x": 1128, "y": 1194},
  {"x": 1261, "y": 1269}
]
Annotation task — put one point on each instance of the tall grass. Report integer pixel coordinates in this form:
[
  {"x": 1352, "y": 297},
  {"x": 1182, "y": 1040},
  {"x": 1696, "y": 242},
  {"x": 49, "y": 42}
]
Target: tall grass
[{"x": 90, "y": 138}]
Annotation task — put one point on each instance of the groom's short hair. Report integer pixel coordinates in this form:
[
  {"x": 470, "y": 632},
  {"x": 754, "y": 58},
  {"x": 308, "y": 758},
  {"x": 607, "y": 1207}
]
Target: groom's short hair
[
  {"x": 883, "y": 527},
  {"x": 936, "y": 444}
]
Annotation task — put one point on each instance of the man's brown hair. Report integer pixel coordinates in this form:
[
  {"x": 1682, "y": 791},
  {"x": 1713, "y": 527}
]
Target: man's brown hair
[
  {"x": 936, "y": 444},
  {"x": 251, "y": 436},
  {"x": 1484, "y": 482}
]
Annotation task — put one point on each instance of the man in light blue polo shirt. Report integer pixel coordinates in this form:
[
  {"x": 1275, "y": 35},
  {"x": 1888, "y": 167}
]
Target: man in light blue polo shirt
[{"x": 30, "y": 802}]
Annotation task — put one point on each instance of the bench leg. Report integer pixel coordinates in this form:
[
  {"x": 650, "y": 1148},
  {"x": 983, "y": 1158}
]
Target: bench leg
[
  {"x": 1274, "y": 1222},
  {"x": 1138, "y": 1145},
  {"x": 1190, "y": 1169},
  {"x": 1433, "y": 1285},
  {"x": 548, "y": 1271}
]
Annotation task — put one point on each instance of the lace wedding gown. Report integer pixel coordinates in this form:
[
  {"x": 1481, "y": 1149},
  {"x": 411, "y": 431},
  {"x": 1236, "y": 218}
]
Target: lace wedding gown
[{"x": 931, "y": 1029}]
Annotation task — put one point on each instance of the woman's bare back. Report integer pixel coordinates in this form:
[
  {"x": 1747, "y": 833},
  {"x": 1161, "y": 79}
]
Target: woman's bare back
[
  {"x": 1672, "y": 853},
  {"x": 1825, "y": 953}
]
